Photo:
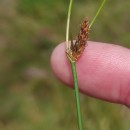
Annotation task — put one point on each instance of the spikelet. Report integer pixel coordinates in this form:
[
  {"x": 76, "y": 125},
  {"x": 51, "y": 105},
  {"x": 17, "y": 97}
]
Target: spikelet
[{"x": 77, "y": 48}]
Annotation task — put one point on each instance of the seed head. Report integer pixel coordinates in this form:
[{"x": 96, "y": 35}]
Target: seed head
[{"x": 77, "y": 48}]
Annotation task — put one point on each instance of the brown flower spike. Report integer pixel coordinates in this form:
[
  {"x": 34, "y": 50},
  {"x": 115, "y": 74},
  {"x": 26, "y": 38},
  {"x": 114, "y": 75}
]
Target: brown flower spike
[{"x": 76, "y": 49}]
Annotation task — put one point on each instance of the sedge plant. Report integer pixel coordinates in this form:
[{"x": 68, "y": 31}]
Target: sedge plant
[{"x": 75, "y": 50}]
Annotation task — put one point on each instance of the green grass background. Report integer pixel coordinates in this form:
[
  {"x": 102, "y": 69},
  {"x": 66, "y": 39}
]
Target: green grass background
[{"x": 31, "y": 98}]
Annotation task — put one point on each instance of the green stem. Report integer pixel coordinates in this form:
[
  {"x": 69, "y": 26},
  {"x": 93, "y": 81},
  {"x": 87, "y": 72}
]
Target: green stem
[
  {"x": 73, "y": 65},
  {"x": 102, "y": 4},
  {"x": 77, "y": 98},
  {"x": 68, "y": 24}
]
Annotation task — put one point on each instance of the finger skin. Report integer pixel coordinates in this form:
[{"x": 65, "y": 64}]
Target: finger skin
[{"x": 103, "y": 71}]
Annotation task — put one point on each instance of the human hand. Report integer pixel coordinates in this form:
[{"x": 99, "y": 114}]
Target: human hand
[{"x": 103, "y": 71}]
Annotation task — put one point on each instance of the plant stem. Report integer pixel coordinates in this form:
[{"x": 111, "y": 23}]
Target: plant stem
[
  {"x": 77, "y": 98},
  {"x": 68, "y": 24},
  {"x": 74, "y": 73},
  {"x": 102, "y": 4},
  {"x": 73, "y": 64}
]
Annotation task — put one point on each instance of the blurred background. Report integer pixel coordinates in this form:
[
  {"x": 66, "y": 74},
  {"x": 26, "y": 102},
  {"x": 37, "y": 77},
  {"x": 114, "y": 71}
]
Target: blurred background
[{"x": 31, "y": 98}]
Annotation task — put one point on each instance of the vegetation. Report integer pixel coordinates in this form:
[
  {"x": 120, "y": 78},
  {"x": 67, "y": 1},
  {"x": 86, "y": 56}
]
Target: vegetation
[{"x": 31, "y": 98}]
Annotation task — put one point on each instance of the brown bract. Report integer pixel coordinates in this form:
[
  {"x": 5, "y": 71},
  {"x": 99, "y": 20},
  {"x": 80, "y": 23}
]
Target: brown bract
[{"x": 76, "y": 49}]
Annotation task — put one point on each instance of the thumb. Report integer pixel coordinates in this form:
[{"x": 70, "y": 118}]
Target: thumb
[{"x": 103, "y": 71}]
